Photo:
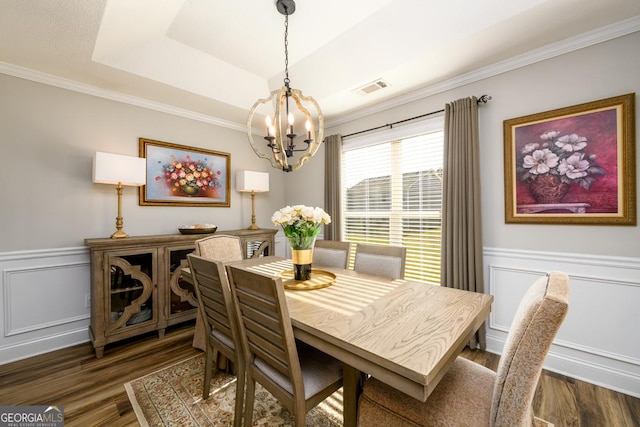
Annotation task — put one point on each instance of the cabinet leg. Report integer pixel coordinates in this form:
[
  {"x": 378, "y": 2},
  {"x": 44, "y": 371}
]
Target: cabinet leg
[
  {"x": 99, "y": 352},
  {"x": 161, "y": 333}
]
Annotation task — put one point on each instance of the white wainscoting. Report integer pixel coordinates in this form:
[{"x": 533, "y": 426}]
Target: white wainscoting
[
  {"x": 282, "y": 245},
  {"x": 44, "y": 299},
  {"x": 44, "y": 296},
  {"x": 599, "y": 339}
]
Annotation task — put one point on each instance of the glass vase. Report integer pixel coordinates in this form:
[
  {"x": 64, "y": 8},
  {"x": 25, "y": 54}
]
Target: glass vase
[{"x": 302, "y": 259}]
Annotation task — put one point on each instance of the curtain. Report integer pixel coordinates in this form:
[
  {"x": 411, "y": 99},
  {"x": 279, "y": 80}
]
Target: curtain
[
  {"x": 333, "y": 186},
  {"x": 461, "y": 221}
]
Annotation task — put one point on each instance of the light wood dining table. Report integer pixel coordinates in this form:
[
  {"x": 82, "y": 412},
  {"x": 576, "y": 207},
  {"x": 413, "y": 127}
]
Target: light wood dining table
[{"x": 406, "y": 334}]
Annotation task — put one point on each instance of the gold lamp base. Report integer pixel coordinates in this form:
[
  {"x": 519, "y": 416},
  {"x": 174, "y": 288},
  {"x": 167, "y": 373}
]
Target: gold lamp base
[
  {"x": 119, "y": 234},
  {"x": 253, "y": 225}
]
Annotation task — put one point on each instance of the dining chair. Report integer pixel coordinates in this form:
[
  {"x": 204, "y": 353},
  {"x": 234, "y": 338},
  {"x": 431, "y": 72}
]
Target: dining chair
[
  {"x": 217, "y": 308},
  {"x": 296, "y": 374},
  {"x": 331, "y": 253},
  {"x": 469, "y": 393},
  {"x": 220, "y": 247},
  {"x": 377, "y": 260}
]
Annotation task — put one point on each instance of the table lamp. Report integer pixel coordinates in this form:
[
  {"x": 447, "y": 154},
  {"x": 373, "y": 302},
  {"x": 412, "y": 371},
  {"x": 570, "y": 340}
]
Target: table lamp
[
  {"x": 120, "y": 170},
  {"x": 254, "y": 182}
]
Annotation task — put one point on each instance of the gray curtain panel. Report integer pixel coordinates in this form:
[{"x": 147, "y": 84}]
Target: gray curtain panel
[
  {"x": 461, "y": 221},
  {"x": 333, "y": 186}
]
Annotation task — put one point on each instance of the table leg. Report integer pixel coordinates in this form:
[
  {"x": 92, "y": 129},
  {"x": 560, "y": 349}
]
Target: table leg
[{"x": 351, "y": 389}]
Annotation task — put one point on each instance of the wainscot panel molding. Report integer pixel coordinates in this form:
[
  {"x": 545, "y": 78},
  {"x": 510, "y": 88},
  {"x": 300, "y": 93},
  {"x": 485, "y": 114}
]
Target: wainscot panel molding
[
  {"x": 44, "y": 295},
  {"x": 598, "y": 340},
  {"x": 282, "y": 245}
]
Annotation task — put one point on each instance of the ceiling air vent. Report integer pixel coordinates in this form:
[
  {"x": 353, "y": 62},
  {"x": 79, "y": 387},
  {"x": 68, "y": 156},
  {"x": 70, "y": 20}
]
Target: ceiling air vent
[{"x": 371, "y": 87}]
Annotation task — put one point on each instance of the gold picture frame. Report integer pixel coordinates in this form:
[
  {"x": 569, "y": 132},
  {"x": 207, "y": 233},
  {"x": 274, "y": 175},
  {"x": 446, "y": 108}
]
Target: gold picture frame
[
  {"x": 572, "y": 165},
  {"x": 179, "y": 175}
]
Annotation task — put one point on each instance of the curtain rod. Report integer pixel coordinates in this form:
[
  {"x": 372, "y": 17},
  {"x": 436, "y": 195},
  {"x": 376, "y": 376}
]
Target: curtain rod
[{"x": 482, "y": 100}]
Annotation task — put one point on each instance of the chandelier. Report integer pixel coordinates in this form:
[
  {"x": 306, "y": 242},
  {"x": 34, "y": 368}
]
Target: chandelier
[{"x": 283, "y": 110}]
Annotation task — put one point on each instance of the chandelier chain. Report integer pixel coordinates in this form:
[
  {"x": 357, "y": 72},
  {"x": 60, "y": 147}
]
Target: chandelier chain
[{"x": 286, "y": 47}]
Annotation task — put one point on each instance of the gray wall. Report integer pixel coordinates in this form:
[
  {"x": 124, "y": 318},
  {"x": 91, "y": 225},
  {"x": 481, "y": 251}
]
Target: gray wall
[
  {"x": 600, "y": 71},
  {"x": 49, "y": 136}
]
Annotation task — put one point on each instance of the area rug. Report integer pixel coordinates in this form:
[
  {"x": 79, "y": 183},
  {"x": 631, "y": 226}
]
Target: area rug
[{"x": 173, "y": 397}]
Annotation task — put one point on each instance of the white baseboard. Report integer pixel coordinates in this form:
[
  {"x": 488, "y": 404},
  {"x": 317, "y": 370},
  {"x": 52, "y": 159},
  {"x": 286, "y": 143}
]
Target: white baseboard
[{"x": 43, "y": 345}]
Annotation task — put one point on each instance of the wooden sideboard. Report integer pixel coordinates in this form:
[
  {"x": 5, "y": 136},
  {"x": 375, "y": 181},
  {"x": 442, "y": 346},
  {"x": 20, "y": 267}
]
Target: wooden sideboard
[{"x": 137, "y": 286}]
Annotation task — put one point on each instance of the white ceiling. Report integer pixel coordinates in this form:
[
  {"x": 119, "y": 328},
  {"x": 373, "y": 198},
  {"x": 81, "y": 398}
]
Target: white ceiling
[{"x": 216, "y": 58}]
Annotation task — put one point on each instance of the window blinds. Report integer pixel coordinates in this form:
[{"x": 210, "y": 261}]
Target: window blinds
[{"x": 392, "y": 195}]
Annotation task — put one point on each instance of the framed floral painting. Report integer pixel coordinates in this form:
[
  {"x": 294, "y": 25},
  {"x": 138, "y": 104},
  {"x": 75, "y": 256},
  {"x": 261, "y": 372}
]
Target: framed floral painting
[
  {"x": 573, "y": 165},
  {"x": 178, "y": 175}
]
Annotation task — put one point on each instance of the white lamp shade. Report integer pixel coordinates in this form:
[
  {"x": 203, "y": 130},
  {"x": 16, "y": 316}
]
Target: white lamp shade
[
  {"x": 252, "y": 181},
  {"x": 115, "y": 168}
]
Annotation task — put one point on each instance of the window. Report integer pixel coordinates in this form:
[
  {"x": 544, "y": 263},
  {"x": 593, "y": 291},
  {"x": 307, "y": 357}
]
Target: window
[{"x": 392, "y": 193}]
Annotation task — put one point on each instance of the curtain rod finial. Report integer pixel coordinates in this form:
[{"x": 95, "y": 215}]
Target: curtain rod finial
[{"x": 484, "y": 99}]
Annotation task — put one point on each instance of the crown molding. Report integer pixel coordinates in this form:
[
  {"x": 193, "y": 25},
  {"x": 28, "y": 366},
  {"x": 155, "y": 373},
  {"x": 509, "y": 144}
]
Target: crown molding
[
  {"x": 48, "y": 79},
  {"x": 600, "y": 35}
]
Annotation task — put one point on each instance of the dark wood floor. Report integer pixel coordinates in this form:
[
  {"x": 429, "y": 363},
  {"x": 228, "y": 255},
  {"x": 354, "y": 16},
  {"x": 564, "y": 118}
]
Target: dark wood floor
[{"x": 92, "y": 392}]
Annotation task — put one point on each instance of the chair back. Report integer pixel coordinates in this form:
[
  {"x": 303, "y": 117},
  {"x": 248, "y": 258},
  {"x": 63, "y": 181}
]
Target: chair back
[
  {"x": 220, "y": 247},
  {"x": 331, "y": 253},
  {"x": 216, "y": 303},
  {"x": 267, "y": 333},
  {"x": 537, "y": 320},
  {"x": 385, "y": 261}
]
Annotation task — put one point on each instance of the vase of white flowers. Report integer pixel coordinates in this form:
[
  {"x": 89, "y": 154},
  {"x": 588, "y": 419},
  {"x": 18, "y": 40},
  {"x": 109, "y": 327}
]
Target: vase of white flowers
[{"x": 301, "y": 225}]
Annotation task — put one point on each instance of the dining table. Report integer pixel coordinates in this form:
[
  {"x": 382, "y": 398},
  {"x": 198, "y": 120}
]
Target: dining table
[{"x": 402, "y": 332}]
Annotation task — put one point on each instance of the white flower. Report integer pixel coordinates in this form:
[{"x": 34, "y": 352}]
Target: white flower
[
  {"x": 300, "y": 215},
  {"x": 574, "y": 167},
  {"x": 540, "y": 161},
  {"x": 572, "y": 142},
  {"x": 530, "y": 147},
  {"x": 549, "y": 135},
  {"x": 301, "y": 224}
]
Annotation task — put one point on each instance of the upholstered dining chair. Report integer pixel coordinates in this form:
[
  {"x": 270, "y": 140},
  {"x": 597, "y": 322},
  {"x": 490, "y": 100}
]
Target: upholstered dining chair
[
  {"x": 470, "y": 394},
  {"x": 331, "y": 253},
  {"x": 385, "y": 261},
  {"x": 217, "y": 308},
  {"x": 219, "y": 247},
  {"x": 298, "y": 375}
]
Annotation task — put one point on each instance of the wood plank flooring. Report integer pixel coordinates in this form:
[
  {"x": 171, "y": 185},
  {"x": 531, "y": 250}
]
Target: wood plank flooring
[{"x": 92, "y": 392}]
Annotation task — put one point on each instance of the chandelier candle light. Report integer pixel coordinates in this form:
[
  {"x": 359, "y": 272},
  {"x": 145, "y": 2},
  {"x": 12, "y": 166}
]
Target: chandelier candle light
[
  {"x": 280, "y": 131},
  {"x": 301, "y": 225}
]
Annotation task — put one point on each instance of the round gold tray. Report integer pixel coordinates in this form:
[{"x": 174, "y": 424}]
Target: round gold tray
[{"x": 319, "y": 279}]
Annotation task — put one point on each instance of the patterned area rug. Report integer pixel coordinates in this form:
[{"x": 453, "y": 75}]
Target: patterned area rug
[{"x": 173, "y": 397}]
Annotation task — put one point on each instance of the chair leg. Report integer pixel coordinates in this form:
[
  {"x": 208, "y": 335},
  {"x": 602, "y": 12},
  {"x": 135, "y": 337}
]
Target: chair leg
[
  {"x": 249, "y": 398},
  {"x": 216, "y": 359},
  {"x": 208, "y": 365},
  {"x": 300, "y": 412},
  {"x": 240, "y": 388}
]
